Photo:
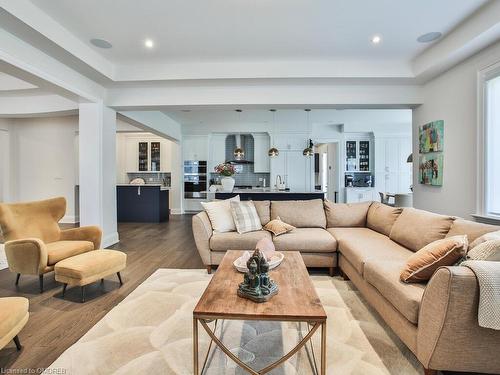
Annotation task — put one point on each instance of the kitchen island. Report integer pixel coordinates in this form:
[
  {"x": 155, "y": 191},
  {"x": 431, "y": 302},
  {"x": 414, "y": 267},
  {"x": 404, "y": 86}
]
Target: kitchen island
[
  {"x": 263, "y": 194},
  {"x": 142, "y": 203}
]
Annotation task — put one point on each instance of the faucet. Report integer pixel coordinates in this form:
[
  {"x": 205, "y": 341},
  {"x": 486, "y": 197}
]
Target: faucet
[{"x": 278, "y": 177}]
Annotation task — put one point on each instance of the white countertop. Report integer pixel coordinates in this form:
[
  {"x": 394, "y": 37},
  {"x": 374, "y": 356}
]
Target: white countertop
[
  {"x": 146, "y": 185},
  {"x": 267, "y": 191}
]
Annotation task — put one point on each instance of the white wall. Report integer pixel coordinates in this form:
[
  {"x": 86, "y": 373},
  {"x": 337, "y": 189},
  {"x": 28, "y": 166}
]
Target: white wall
[
  {"x": 452, "y": 97},
  {"x": 5, "y": 180},
  {"x": 43, "y": 160}
]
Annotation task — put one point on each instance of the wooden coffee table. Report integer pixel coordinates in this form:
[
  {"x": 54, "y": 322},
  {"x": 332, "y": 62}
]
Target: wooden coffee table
[{"x": 296, "y": 301}]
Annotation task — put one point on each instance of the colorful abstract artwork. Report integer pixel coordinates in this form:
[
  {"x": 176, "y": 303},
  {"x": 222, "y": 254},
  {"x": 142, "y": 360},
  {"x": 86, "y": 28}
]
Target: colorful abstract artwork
[
  {"x": 431, "y": 169},
  {"x": 431, "y": 137}
]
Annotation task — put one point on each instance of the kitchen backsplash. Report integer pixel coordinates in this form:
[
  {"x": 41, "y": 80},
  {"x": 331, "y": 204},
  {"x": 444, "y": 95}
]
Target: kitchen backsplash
[
  {"x": 151, "y": 178},
  {"x": 246, "y": 177}
]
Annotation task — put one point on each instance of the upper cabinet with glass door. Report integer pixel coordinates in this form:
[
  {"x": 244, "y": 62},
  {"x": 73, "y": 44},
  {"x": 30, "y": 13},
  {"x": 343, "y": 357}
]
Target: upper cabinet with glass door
[{"x": 149, "y": 156}]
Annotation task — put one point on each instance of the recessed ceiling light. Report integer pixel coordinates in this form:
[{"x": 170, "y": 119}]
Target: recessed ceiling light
[
  {"x": 101, "y": 43},
  {"x": 429, "y": 37},
  {"x": 376, "y": 39},
  {"x": 149, "y": 43}
]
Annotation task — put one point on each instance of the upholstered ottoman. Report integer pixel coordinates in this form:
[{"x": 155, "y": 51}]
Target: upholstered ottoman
[
  {"x": 13, "y": 317},
  {"x": 86, "y": 268}
]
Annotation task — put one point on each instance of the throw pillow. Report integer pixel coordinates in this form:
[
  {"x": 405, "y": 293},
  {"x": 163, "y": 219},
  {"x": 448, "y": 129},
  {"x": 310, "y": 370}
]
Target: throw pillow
[
  {"x": 278, "y": 227},
  {"x": 346, "y": 214},
  {"x": 485, "y": 237},
  {"x": 245, "y": 216},
  {"x": 219, "y": 213},
  {"x": 489, "y": 250},
  {"x": 445, "y": 252}
]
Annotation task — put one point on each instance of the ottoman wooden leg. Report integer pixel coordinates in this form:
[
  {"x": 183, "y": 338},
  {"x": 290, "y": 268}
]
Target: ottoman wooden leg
[
  {"x": 83, "y": 293},
  {"x": 64, "y": 289},
  {"x": 120, "y": 278},
  {"x": 17, "y": 278},
  {"x": 17, "y": 342},
  {"x": 40, "y": 279}
]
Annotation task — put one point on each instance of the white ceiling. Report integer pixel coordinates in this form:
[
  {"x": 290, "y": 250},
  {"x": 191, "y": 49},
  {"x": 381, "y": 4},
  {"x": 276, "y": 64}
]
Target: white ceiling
[
  {"x": 257, "y": 30},
  {"x": 290, "y": 116},
  {"x": 10, "y": 83}
]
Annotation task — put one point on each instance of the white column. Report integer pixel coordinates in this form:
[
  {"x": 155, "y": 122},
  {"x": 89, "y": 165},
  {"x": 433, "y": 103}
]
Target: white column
[{"x": 97, "y": 164}]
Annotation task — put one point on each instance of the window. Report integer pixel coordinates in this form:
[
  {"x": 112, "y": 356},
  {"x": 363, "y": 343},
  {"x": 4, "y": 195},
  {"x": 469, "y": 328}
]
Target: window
[{"x": 491, "y": 145}]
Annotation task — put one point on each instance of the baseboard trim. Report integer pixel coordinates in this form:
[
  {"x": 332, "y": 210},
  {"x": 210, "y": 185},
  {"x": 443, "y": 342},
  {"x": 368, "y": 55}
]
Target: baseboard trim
[
  {"x": 69, "y": 219},
  {"x": 110, "y": 239},
  {"x": 175, "y": 211}
]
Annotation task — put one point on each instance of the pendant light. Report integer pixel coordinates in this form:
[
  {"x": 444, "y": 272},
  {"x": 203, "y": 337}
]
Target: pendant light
[
  {"x": 273, "y": 151},
  {"x": 239, "y": 152},
  {"x": 308, "y": 151}
]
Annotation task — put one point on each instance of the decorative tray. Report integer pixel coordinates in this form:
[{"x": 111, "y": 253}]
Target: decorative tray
[{"x": 241, "y": 263}]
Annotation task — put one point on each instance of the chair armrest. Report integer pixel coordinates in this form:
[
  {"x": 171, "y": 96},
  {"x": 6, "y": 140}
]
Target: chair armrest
[
  {"x": 202, "y": 231},
  {"x": 449, "y": 336},
  {"x": 90, "y": 233},
  {"x": 27, "y": 256}
]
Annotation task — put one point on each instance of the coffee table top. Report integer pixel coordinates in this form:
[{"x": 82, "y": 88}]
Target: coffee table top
[{"x": 296, "y": 300}]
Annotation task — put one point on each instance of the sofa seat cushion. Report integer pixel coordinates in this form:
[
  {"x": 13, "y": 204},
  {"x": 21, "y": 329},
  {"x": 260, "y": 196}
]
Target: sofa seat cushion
[
  {"x": 306, "y": 240},
  {"x": 384, "y": 276},
  {"x": 235, "y": 241},
  {"x": 60, "y": 250},
  {"x": 359, "y": 245}
]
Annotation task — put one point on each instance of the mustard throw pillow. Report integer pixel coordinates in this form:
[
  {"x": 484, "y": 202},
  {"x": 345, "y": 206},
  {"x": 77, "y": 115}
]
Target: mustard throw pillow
[
  {"x": 278, "y": 227},
  {"x": 445, "y": 252}
]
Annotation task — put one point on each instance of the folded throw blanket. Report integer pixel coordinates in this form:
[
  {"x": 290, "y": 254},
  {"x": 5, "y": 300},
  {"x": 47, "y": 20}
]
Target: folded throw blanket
[{"x": 488, "y": 276}]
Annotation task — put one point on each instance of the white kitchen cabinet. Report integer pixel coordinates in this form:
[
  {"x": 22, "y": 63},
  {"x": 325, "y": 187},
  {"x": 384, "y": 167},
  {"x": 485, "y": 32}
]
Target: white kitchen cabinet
[
  {"x": 295, "y": 167},
  {"x": 217, "y": 150},
  {"x": 261, "y": 157},
  {"x": 195, "y": 147},
  {"x": 392, "y": 173},
  {"x": 355, "y": 195},
  {"x": 290, "y": 142}
]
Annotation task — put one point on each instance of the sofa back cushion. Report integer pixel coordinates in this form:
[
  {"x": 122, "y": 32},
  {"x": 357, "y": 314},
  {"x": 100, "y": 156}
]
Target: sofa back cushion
[
  {"x": 415, "y": 229},
  {"x": 472, "y": 229},
  {"x": 263, "y": 210},
  {"x": 300, "y": 214},
  {"x": 382, "y": 217},
  {"x": 341, "y": 215}
]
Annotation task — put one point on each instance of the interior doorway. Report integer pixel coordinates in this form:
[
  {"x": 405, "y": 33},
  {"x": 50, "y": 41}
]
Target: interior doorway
[{"x": 327, "y": 169}]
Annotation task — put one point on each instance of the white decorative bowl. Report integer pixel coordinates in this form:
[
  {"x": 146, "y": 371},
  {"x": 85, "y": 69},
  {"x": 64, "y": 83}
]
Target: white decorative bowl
[{"x": 275, "y": 261}]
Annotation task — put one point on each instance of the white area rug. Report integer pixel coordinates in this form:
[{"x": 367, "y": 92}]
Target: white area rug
[
  {"x": 150, "y": 332},
  {"x": 3, "y": 258}
]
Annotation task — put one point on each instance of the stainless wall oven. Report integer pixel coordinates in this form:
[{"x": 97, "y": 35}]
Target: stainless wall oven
[{"x": 195, "y": 179}]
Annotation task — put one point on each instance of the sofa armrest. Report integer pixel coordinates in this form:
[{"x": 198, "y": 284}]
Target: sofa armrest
[
  {"x": 202, "y": 231},
  {"x": 27, "y": 256},
  {"x": 90, "y": 233},
  {"x": 449, "y": 337}
]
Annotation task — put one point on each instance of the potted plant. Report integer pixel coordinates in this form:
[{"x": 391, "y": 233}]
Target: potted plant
[{"x": 226, "y": 170}]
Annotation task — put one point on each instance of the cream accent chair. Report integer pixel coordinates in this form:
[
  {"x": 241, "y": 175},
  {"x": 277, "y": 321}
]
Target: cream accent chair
[
  {"x": 34, "y": 241},
  {"x": 13, "y": 317}
]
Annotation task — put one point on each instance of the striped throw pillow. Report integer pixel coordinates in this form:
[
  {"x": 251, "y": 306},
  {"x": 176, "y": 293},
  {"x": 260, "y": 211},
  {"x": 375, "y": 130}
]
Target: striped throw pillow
[{"x": 245, "y": 217}]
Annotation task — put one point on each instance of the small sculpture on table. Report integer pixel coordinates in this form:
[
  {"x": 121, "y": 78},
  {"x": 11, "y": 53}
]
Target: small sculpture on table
[{"x": 257, "y": 285}]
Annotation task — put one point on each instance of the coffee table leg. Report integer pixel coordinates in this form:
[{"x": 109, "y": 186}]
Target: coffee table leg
[
  {"x": 323, "y": 348},
  {"x": 195, "y": 345}
]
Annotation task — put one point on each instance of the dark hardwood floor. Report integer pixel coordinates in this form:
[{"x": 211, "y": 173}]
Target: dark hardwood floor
[{"x": 56, "y": 323}]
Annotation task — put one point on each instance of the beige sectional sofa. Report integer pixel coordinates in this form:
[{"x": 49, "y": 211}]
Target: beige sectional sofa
[{"x": 370, "y": 243}]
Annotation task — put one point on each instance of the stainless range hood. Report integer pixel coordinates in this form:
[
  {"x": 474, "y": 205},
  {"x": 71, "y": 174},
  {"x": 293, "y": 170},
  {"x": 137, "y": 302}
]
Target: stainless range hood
[{"x": 243, "y": 145}]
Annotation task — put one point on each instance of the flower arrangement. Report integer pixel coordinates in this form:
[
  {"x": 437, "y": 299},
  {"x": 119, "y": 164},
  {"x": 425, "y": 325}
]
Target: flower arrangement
[{"x": 225, "y": 169}]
